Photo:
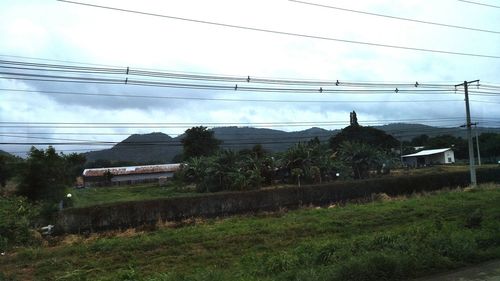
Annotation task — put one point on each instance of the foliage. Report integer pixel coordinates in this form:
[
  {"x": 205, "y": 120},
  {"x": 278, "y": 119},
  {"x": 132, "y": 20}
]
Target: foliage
[
  {"x": 16, "y": 217},
  {"x": 458, "y": 144},
  {"x": 228, "y": 170},
  {"x": 9, "y": 167},
  {"x": 199, "y": 141},
  {"x": 489, "y": 145},
  {"x": 367, "y": 135},
  {"x": 316, "y": 162},
  {"x": 4, "y": 173},
  {"x": 394, "y": 240},
  {"x": 46, "y": 174},
  {"x": 362, "y": 158}
]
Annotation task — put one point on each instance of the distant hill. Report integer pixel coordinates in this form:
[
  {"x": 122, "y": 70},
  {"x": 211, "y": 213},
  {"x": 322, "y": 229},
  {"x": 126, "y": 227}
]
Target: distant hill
[
  {"x": 144, "y": 148},
  {"x": 403, "y": 131},
  {"x": 4, "y": 153},
  {"x": 161, "y": 148}
]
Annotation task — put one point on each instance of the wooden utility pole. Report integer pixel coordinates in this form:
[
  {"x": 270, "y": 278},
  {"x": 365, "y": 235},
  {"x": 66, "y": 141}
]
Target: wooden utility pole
[{"x": 472, "y": 166}]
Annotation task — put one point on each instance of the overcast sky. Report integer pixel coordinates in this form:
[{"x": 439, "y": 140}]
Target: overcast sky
[{"x": 74, "y": 33}]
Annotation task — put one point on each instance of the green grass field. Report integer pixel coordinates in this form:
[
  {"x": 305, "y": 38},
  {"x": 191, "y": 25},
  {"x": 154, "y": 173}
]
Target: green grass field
[
  {"x": 100, "y": 195},
  {"x": 384, "y": 240}
]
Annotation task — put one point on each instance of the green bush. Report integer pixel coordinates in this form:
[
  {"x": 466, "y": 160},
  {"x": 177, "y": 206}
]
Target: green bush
[{"x": 17, "y": 216}]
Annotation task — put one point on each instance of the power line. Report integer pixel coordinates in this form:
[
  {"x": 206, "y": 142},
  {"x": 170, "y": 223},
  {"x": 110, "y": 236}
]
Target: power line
[
  {"x": 429, "y": 83},
  {"x": 285, "y": 32},
  {"x": 226, "y": 99},
  {"x": 396, "y": 18},
  {"x": 481, "y": 4},
  {"x": 29, "y": 66},
  {"x": 218, "y": 87}
]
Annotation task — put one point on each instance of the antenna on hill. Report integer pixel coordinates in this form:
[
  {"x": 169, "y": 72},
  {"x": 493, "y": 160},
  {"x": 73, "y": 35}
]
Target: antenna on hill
[{"x": 354, "y": 118}]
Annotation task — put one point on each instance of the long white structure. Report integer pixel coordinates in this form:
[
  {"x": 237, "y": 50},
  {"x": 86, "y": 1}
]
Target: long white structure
[{"x": 429, "y": 157}]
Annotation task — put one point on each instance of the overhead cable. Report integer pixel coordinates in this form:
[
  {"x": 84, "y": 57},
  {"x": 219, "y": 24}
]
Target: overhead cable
[
  {"x": 396, "y": 17},
  {"x": 286, "y": 32}
]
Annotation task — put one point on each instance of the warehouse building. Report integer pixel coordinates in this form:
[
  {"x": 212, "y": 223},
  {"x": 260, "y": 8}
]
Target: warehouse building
[
  {"x": 429, "y": 157},
  {"x": 129, "y": 175}
]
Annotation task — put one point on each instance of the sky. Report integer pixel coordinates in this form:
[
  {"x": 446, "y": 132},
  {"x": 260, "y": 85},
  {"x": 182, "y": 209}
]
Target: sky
[{"x": 54, "y": 32}]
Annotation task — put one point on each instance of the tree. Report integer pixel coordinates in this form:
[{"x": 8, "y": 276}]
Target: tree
[
  {"x": 199, "y": 141},
  {"x": 46, "y": 174},
  {"x": 371, "y": 136},
  {"x": 361, "y": 157},
  {"x": 4, "y": 173},
  {"x": 420, "y": 140},
  {"x": 458, "y": 145},
  {"x": 489, "y": 144},
  {"x": 9, "y": 167}
]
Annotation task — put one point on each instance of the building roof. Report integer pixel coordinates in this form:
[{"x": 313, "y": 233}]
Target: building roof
[
  {"x": 132, "y": 170},
  {"x": 427, "y": 152}
]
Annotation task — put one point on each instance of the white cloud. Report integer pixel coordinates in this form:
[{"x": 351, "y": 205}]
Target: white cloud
[{"x": 63, "y": 31}]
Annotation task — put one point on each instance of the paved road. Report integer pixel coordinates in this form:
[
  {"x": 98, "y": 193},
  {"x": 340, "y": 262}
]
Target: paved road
[{"x": 489, "y": 271}]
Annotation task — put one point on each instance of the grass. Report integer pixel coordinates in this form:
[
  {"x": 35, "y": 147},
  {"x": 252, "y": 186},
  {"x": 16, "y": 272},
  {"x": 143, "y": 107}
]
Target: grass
[
  {"x": 100, "y": 195},
  {"x": 388, "y": 239}
]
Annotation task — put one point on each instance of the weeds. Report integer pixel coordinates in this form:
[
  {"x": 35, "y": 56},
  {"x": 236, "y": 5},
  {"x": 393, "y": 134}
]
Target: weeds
[{"x": 389, "y": 240}]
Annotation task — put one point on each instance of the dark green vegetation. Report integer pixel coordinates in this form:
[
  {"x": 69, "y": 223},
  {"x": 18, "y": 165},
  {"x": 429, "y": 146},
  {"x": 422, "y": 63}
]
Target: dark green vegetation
[
  {"x": 199, "y": 141},
  {"x": 10, "y": 166},
  {"x": 367, "y": 135},
  {"x": 310, "y": 162},
  {"x": 17, "y": 216},
  {"x": 383, "y": 240},
  {"x": 46, "y": 175}
]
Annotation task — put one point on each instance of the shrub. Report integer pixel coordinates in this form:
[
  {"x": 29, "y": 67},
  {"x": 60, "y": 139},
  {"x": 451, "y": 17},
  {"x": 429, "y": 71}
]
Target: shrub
[{"x": 16, "y": 217}]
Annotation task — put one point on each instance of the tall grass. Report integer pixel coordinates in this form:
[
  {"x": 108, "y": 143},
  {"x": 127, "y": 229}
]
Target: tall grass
[{"x": 388, "y": 240}]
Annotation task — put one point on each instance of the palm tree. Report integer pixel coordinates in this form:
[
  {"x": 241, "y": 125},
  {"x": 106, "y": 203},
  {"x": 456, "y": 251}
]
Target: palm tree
[{"x": 360, "y": 156}]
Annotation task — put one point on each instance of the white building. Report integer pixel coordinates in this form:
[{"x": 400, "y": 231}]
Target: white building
[
  {"x": 128, "y": 175},
  {"x": 429, "y": 157}
]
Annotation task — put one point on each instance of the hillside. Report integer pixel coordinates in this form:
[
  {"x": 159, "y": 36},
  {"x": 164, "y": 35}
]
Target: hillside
[
  {"x": 161, "y": 148},
  {"x": 4, "y": 153},
  {"x": 145, "y": 148}
]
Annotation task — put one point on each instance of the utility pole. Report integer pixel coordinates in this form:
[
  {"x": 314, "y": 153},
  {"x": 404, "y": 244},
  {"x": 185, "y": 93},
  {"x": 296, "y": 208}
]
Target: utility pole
[
  {"x": 472, "y": 167},
  {"x": 477, "y": 145}
]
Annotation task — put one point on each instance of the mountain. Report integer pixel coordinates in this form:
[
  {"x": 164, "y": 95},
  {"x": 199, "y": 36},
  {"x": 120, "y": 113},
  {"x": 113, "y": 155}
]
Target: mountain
[
  {"x": 144, "y": 148},
  {"x": 161, "y": 148},
  {"x": 4, "y": 153},
  {"x": 404, "y": 131}
]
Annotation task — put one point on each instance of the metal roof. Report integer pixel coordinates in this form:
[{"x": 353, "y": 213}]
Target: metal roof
[
  {"x": 427, "y": 152},
  {"x": 131, "y": 170}
]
